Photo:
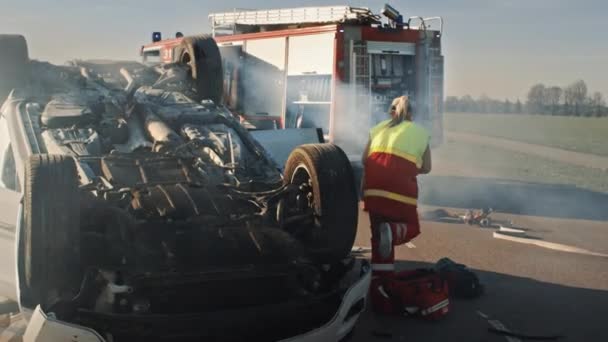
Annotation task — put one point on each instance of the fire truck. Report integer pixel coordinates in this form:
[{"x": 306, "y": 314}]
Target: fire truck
[{"x": 335, "y": 67}]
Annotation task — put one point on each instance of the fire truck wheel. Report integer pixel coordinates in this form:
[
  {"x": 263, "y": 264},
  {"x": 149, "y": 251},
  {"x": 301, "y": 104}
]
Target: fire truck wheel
[
  {"x": 327, "y": 186},
  {"x": 13, "y": 63},
  {"x": 203, "y": 56}
]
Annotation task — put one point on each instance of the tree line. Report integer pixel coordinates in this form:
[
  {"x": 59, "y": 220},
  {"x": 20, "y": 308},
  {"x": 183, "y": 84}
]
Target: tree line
[{"x": 572, "y": 100}]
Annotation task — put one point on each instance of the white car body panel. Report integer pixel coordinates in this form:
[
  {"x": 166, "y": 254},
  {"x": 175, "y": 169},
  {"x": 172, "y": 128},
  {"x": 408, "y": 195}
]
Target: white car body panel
[
  {"x": 44, "y": 328},
  {"x": 9, "y": 214}
]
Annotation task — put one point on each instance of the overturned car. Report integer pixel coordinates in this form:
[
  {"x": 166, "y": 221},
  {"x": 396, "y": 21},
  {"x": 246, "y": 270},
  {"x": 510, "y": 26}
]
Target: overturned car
[{"x": 138, "y": 209}]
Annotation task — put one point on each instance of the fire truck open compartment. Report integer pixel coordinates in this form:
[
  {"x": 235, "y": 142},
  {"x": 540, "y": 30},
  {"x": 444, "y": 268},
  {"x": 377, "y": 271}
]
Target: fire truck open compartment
[{"x": 337, "y": 69}]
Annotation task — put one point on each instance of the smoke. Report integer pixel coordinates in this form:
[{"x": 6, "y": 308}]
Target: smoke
[
  {"x": 463, "y": 175},
  {"x": 475, "y": 175},
  {"x": 353, "y": 118},
  {"x": 472, "y": 173}
]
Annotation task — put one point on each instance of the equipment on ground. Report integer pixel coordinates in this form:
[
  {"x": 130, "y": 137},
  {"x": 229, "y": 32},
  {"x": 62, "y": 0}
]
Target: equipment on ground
[
  {"x": 462, "y": 282},
  {"x": 418, "y": 293}
]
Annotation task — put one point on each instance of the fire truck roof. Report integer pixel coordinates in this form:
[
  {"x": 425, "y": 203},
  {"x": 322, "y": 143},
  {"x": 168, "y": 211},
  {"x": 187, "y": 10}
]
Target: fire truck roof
[{"x": 287, "y": 16}]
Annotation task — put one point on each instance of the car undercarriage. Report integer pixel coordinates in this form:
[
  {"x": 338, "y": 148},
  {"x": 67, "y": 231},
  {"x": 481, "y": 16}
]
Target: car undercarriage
[{"x": 146, "y": 207}]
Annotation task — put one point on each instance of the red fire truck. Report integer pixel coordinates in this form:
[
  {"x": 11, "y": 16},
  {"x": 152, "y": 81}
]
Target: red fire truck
[{"x": 335, "y": 67}]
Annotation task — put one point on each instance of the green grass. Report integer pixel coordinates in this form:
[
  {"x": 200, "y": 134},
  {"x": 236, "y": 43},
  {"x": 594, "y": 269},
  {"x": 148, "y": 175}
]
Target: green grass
[
  {"x": 589, "y": 135},
  {"x": 503, "y": 164}
]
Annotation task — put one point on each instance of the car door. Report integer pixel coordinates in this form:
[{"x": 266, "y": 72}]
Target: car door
[{"x": 10, "y": 198}]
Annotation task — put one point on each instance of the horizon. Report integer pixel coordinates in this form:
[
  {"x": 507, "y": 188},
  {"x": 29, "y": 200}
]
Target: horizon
[{"x": 520, "y": 43}]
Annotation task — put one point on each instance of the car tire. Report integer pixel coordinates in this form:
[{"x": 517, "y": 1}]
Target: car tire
[
  {"x": 202, "y": 54},
  {"x": 13, "y": 63},
  {"x": 334, "y": 198},
  {"x": 51, "y": 231}
]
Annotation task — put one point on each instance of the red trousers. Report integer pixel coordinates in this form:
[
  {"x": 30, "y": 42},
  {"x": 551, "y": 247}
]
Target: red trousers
[{"x": 386, "y": 234}]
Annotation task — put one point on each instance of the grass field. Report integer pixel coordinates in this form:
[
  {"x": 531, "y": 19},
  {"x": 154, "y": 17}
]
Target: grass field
[
  {"x": 473, "y": 160},
  {"x": 589, "y": 135}
]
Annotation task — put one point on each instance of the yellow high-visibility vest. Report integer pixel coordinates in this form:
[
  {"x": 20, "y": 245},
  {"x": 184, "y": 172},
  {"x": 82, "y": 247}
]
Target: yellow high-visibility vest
[{"x": 406, "y": 140}]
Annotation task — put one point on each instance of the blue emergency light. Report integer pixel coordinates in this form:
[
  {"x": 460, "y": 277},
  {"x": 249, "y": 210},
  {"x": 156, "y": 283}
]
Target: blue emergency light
[{"x": 156, "y": 37}]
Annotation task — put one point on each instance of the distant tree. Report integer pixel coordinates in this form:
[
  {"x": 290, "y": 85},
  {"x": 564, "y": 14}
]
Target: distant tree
[
  {"x": 536, "y": 99},
  {"x": 575, "y": 95},
  {"x": 484, "y": 104},
  {"x": 553, "y": 97},
  {"x": 467, "y": 104},
  {"x": 518, "y": 107},
  {"x": 507, "y": 106},
  {"x": 452, "y": 104},
  {"x": 598, "y": 103}
]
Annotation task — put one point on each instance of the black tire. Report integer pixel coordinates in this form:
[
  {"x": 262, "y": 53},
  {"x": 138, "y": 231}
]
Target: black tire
[
  {"x": 13, "y": 63},
  {"x": 334, "y": 199},
  {"x": 51, "y": 232},
  {"x": 202, "y": 54}
]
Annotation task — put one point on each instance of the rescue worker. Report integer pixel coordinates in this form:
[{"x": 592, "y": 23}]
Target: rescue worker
[{"x": 397, "y": 151}]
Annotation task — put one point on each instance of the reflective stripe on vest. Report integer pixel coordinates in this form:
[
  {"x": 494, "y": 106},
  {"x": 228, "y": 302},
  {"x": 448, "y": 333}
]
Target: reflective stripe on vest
[
  {"x": 390, "y": 195},
  {"x": 383, "y": 267}
]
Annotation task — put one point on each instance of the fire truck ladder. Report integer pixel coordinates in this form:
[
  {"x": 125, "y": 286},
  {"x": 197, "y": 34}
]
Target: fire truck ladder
[
  {"x": 227, "y": 22},
  {"x": 360, "y": 79}
]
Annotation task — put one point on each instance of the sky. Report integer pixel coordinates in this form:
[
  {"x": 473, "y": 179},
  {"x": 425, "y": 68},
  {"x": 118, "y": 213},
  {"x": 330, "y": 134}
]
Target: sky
[{"x": 494, "y": 47}]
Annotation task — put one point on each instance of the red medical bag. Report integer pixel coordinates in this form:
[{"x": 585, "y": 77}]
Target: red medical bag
[{"x": 421, "y": 293}]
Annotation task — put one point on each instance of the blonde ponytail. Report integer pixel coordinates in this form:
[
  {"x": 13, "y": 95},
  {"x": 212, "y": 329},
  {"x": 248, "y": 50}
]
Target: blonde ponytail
[{"x": 400, "y": 105}]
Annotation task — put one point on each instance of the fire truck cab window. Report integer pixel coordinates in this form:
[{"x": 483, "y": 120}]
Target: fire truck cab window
[{"x": 152, "y": 57}]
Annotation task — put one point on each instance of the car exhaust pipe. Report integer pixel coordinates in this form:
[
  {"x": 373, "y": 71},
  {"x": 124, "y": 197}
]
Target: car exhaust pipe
[{"x": 163, "y": 136}]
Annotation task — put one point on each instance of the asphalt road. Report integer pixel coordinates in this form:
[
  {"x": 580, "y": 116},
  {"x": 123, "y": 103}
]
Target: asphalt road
[{"x": 529, "y": 289}]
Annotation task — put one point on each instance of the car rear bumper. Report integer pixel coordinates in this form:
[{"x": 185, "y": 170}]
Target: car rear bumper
[{"x": 43, "y": 327}]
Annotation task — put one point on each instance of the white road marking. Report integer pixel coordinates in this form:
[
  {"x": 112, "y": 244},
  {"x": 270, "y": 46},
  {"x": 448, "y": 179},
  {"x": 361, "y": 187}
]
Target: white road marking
[
  {"x": 410, "y": 245},
  {"x": 496, "y": 324},
  {"x": 483, "y": 315},
  {"x": 512, "y": 231},
  {"x": 548, "y": 245},
  {"x": 499, "y": 326}
]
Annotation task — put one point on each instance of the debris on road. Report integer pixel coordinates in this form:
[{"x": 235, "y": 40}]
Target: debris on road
[
  {"x": 479, "y": 217},
  {"x": 496, "y": 324},
  {"x": 357, "y": 250},
  {"x": 499, "y": 328},
  {"x": 525, "y": 336}
]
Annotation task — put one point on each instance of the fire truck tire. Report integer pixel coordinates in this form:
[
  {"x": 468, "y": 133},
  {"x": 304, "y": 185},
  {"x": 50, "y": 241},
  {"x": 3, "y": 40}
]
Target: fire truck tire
[
  {"x": 202, "y": 54},
  {"x": 50, "y": 239},
  {"x": 334, "y": 199},
  {"x": 13, "y": 63}
]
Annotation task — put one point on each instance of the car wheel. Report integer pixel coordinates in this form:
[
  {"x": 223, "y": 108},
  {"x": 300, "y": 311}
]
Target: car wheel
[
  {"x": 203, "y": 56},
  {"x": 326, "y": 186},
  {"x": 51, "y": 232},
  {"x": 13, "y": 63}
]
